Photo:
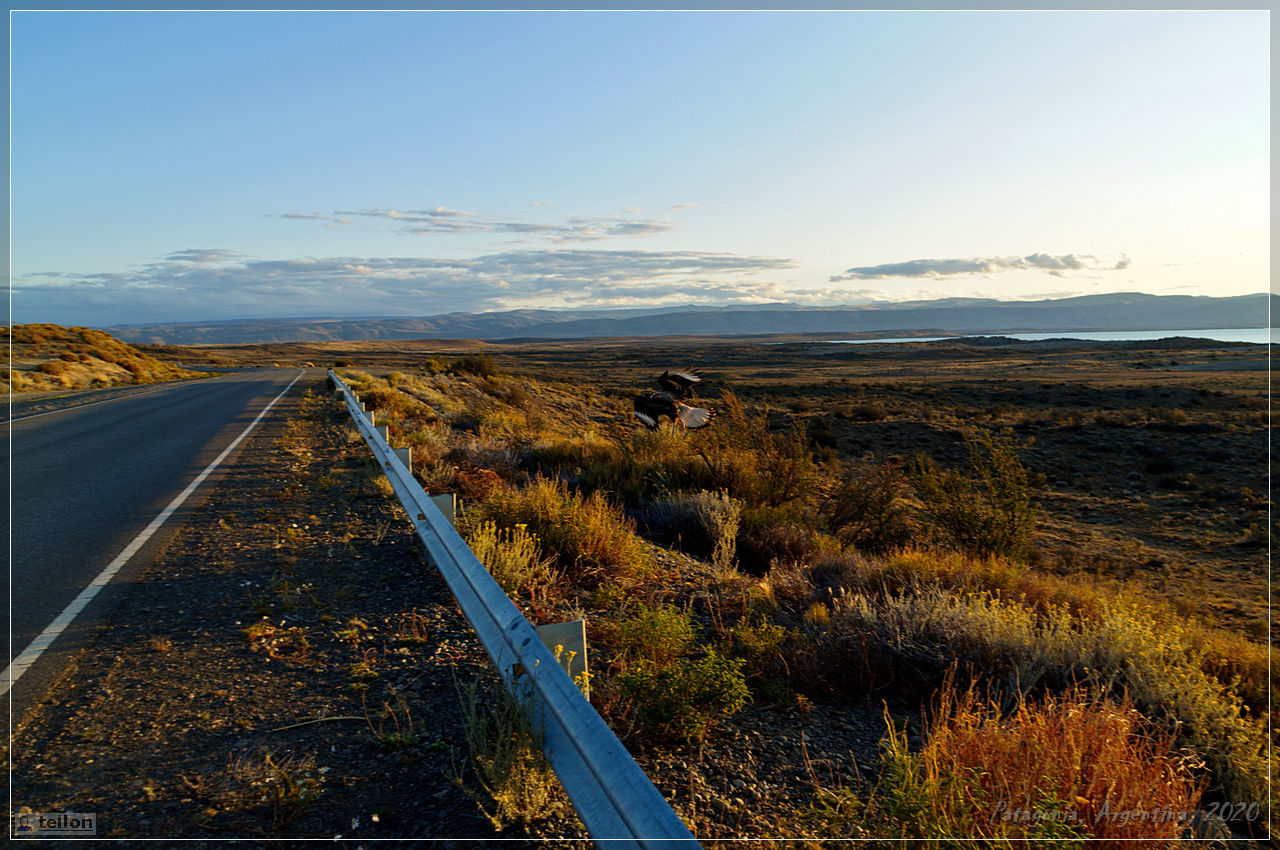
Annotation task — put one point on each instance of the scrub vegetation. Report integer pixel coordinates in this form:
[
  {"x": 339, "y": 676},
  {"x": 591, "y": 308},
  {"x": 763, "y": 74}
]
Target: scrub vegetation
[{"x": 919, "y": 549}]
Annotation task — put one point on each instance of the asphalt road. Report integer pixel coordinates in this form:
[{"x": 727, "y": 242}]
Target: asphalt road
[{"x": 88, "y": 480}]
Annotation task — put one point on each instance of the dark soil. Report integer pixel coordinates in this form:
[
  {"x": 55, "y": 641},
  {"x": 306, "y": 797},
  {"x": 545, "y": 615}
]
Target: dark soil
[{"x": 175, "y": 723}]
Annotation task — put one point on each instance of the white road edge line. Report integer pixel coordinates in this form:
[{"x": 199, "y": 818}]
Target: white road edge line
[
  {"x": 91, "y": 404},
  {"x": 29, "y": 655}
]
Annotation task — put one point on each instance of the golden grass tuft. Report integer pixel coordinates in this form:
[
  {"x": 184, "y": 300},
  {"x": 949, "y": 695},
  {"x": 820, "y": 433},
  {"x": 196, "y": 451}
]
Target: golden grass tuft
[
  {"x": 1068, "y": 766},
  {"x": 591, "y": 537}
]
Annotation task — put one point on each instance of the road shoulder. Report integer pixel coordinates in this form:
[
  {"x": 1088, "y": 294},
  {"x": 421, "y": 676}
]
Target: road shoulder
[{"x": 286, "y": 667}]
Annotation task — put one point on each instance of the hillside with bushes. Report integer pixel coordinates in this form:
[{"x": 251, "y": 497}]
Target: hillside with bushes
[
  {"x": 52, "y": 357},
  {"x": 755, "y": 564}
]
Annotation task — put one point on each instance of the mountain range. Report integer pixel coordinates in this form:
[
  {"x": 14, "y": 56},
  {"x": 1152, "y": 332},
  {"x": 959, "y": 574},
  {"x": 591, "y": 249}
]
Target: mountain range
[{"x": 1130, "y": 311}]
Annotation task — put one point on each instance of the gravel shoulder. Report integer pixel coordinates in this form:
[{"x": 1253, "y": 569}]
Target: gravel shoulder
[{"x": 252, "y": 681}]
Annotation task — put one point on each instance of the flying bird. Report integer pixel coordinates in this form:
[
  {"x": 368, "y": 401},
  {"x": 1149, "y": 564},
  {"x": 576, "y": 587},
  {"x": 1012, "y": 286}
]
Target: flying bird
[
  {"x": 679, "y": 384},
  {"x": 651, "y": 407}
]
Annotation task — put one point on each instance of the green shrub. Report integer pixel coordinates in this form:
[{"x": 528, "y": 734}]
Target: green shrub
[
  {"x": 480, "y": 365},
  {"x": 760, "y": 644},
  {"x": 681, "y": 701},
  {"x": 653, "y": 636},
  {"x": 989, "y": 511},
  {"x": 868, "y": 509}
]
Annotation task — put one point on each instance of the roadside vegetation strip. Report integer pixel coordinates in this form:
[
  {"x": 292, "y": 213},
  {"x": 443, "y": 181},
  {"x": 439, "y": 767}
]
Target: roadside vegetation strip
[
  {"x": 612, "y": 795},
  {"x": 45, "y": 639},
  {"x": 820, "y": 579}
]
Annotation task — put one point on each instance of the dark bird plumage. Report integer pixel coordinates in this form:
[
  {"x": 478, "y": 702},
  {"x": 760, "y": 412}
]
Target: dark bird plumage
[
  {"x": 679, "y": 384},
  {"x": 651, "y": 407}
]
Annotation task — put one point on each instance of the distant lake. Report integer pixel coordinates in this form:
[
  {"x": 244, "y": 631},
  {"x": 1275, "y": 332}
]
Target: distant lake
[{"x": 1254, "y": 335}]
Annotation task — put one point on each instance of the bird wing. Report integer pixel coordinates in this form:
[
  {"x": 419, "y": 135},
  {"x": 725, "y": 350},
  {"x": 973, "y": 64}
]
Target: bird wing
[
  {"x": 694, "y": 417},
  {"x": 649, "y": 421},
  {"x": 687, "y": 377}
]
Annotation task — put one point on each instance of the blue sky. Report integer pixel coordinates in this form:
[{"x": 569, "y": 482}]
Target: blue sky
[{"x": 218, "y": 165}]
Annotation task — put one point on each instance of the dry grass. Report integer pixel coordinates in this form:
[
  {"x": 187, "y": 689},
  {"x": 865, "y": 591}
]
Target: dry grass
[
  {"x": 517, "y": 785},
  {"x": 1069, "y": 766},
  {"x": 590, "y": 537},
  {"x": 52, "y": 357}
]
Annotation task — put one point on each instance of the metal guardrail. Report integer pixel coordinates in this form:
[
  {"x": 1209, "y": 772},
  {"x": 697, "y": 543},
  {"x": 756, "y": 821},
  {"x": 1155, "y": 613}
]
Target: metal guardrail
[{"x": 614, "y": 798}]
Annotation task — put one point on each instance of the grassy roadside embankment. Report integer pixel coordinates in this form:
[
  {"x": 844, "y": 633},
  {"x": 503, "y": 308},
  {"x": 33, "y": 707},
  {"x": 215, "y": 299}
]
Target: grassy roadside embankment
[
  {"x": 751, "y": 565},
  {"x": 51, "y": 357}
]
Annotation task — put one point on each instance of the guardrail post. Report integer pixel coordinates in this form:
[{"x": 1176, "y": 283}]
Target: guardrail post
[
  {"x": 406, "y": 457},
  {"x": 447, "y": 504},
  {"x": 571, "y": 640}
]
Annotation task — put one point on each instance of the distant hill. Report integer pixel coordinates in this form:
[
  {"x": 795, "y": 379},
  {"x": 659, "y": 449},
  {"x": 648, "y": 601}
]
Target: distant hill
[
  {"x": 53, "y": 357},
  {"x": 1118, "y": 311}
]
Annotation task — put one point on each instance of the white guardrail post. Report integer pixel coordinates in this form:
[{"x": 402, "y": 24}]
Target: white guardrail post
[{"x": 614, "y": 798}]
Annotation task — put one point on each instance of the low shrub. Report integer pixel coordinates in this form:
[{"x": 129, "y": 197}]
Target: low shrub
[
  {"x": 590, "y": 537},
  {"x": 773, "y": 535},
  {"x": 480, "y": 365},
  {"x": 681, "y": 701},
  {"x": 702, "y": 523},
  {"x": 652, "y": 636},
  {"x": 987, "y": 512}
]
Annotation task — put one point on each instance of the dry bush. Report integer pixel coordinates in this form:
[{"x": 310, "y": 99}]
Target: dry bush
[
  {"x": 506, "y": 758},
  {"x": 748, "y": 460},
  {"x": 1066, "y": 767},
  {"x": 906, "y": 636},
  {"x": 513, "y": 557},
  {"x": 591, "y": 538}
]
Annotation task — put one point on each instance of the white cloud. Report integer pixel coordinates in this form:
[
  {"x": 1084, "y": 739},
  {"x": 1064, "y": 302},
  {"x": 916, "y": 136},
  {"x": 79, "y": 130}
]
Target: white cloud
[
  {"x": 203, "y": 255},
  {"x": 1058, "y": 265},
  {"x": 441, "y": 220},
  {"x": 197, "y": 288}
]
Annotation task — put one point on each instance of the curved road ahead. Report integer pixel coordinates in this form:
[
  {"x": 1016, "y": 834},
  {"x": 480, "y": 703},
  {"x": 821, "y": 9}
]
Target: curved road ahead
[{"x": 88, "y": 481}]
